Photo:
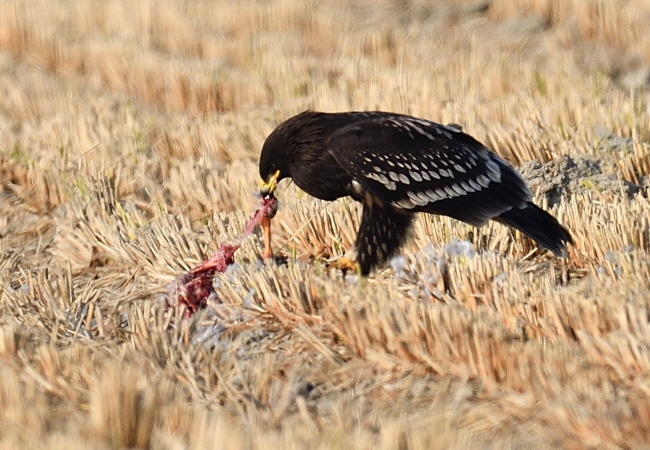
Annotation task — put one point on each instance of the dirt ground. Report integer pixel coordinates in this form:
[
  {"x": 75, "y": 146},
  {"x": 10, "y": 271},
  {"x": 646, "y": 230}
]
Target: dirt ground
[{"x": 129, "y": 138}]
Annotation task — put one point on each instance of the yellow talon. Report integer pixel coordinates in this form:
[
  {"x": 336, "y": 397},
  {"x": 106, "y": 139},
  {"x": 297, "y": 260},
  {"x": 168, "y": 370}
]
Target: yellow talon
[{"x": 344, "y": 264}]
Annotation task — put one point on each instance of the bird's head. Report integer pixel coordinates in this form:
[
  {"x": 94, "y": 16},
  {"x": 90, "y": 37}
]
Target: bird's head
[
  {"x": 293, "y": 140},
  {"x": 274, "y": 160},
  {"x": 273, "y": 166}
]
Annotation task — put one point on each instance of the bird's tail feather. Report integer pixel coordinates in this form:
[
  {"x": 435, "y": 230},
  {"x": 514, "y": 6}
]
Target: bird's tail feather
[{"x": 540, "y": 226}]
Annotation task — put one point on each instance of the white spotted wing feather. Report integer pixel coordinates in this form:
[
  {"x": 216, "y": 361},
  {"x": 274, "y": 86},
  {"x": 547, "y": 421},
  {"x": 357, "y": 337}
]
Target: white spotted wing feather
[{"x": 420, "y": 166}]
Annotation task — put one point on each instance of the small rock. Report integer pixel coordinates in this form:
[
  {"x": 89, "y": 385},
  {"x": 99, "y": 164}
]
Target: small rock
[
  {"x": 575, "y": 175},
  {"x": 610, "y": 142}
]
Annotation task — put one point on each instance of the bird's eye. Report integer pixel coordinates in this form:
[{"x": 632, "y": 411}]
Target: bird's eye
[{"x": 268, "y": 171}]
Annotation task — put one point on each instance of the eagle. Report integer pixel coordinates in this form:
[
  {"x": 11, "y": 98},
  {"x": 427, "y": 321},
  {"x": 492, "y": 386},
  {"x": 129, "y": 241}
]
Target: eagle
[{"x": 397, "y": 166}]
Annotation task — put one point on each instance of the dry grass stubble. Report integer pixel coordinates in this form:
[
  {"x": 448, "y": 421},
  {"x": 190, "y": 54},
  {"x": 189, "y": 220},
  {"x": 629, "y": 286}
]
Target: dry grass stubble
[{"x": 129, "y": 136}]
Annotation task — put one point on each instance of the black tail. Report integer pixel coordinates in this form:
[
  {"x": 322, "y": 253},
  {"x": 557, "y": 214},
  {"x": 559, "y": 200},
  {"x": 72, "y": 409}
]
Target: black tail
[{"x": 539, "y": 225}]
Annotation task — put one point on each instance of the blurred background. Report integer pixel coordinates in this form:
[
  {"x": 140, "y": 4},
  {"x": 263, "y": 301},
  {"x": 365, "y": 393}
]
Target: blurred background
[{"x": 129, "y": 137}]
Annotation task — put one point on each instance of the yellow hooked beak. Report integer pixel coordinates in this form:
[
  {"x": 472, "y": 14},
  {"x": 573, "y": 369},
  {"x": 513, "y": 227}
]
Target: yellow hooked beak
[{"x": 268, "y": 188}]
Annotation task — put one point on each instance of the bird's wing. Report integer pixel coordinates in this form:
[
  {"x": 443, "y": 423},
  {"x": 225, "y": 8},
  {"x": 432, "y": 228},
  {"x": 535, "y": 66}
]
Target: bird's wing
[{"x": 421, "y": 166}]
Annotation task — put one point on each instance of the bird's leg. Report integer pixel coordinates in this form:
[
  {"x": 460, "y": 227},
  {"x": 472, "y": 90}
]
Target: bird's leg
[{"x": 382, "y": 231}]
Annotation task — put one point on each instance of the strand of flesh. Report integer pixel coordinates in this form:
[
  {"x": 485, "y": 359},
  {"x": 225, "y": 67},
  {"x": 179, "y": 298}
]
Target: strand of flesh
[{"x": 193, "y": 288}]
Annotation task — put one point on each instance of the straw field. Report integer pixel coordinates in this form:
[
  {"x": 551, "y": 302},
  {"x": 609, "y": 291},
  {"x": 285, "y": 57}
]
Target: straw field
[{"x": 129, "y": 136}]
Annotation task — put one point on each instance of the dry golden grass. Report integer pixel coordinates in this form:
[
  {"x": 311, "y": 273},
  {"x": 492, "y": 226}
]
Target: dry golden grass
[{"x": 129, "y": 132}]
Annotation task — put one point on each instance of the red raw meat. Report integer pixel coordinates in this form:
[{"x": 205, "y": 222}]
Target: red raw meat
[{"x": 193, "y": 288}]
